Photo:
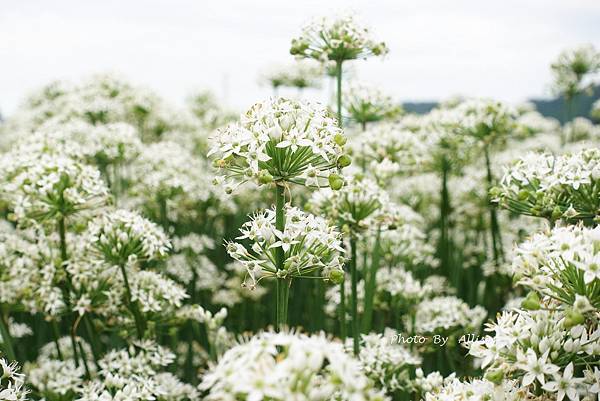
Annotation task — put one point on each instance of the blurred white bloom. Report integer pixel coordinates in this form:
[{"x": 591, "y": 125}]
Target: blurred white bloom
[
  {"x": 365, "y": 103},
  {"x": 285, "y": 366},
  {"x": 338, "y": 39},
  {"x": 43, "y": 186},
  {"x": 445, "y": 315},
  {"x": 121, "y": 235}
]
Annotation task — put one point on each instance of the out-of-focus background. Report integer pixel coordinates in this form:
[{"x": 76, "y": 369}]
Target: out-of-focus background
[{"x": 437, "y": 48}]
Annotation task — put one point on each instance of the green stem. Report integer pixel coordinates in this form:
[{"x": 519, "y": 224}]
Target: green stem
[
  {"x": 444, "y": 246},
  {"x": 342, "y": 310},
  {"x": 140, "y": 325},
  {"x": 494, "y": 226},
  {"x": 92, "y": 338},
  {"x": 354, "y": 297},
  {"x": 371, "y": 285},
  {"x": 282, "y": 284},
  {"x": 84, "y": 359},
  {"x": 64, "y": 256},
  {"x": 7, "y": 343},
  {"x": 338, "y": 75},
  {"x": 56, "y": 335}
]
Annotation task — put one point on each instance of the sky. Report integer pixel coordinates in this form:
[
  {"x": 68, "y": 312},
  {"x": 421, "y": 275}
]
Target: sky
[{"x": 438, "y": 49}]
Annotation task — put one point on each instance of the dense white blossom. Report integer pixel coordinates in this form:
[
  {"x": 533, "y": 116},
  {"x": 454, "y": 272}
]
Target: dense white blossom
[
  {"x": 121, "y": 236},
  {"x": 554, "y": 187},
  {"x": 282, "y": 140},
  {"x": 338, "y": 39},
  {"x": 310, "y": 246},
  {"x": 43, "y": 186},
  {"x": 284, "y": 366}
]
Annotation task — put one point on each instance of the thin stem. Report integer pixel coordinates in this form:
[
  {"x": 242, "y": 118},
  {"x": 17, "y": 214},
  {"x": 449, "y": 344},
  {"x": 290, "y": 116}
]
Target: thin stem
[
  {"x": 93, "y": 340},
  {"x": 371, "y": 285},
  {"x": 56, "y": 335},
  {"x": 338, "y": 75},
  {"x": 140, "y": 325},
  {"x": 354, "y": 297},
  {"x": 342, "y": 310},
  {"x": 494, "y": 226},
  {"x": 64, "y": 256},
  {"x": 6, "y": 338},
  {"x": 444, "y": 246},
  {"x": 282, "y": 284}
]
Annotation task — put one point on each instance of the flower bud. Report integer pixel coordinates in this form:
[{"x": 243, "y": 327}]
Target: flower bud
[
  {"x": 336, "y": 276},
  {"x": 531, "y": 302},
  {"x": 495, "y": 375},
  {"x": 344, "y": 161},
  {"x": 335, "y": 182},
  {"x": 573, "y": 318},
  {"x": 556, "y": 213},
  {"x": 264, "y": 177},
  {"x": 340, "y": 139}
]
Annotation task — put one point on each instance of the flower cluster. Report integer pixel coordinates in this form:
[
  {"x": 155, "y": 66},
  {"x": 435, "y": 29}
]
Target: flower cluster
[
  {"x": 446, "y": 315},
  {"x": 539, "y": 352},
  {"x": 310, "y": 245},
  {"x": 135, "y": 374},
  {"x": 387, "y": 364},
  {"x": 286, "y": 366},
  {"x": 281, "y": 140},
  {"x": 44, "y": 187},
  {"x": 553, "y": 187},
  {"x": 365, "y": 103},
  {"x": 388, "y": 149},
  {"x": 486, "y": 120},
  {"x": 302, "y": 74},
  {"x": 572, "y": 67},
  {"x": 476, "y": 390},
  {"x": 122, "y": 236},
  {"x": 337, "y": 39},
  {"x": 580, "y": 129},
  {"x": 361, "y": 205},
  {"x": 11, "y": 382},
  {"x": 563, "y": 264}
]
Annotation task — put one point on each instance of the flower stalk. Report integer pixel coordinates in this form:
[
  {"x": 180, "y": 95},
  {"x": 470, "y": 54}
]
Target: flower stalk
[{"x": 282, "y": 283}]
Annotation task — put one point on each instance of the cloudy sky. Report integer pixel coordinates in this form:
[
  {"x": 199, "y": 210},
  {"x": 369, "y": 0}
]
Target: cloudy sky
[{"x": 438, "y": 48}]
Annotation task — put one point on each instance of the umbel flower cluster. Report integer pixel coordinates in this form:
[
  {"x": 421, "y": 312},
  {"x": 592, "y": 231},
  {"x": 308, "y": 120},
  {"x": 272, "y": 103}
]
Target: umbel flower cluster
[
  {"x": 553, "y": 187},
  {"x": 41, "y": 186},
  {"x": 301, "y": 74},
  {"x": 366, "y": 104},
  {"x": 311, "y": 247},
  {"x": 281, "y": 140},
  {"x": 338, "y": 39},
  {"x": 563, "y": 264},
  {"x": 283, "y": 366},
  {"x": 12, "y": 382}
]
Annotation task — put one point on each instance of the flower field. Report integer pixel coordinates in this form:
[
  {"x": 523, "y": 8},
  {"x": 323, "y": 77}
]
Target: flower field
[{"x": 299, "y": 250}]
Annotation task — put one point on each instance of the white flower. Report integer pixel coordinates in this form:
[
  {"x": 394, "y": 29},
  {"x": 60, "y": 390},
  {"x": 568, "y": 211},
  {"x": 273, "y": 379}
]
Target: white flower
[
  {"x": 310, "y": 245},
  {"x": 565, "y": 385},
  {"x": 544, "y": 185},
  {"x": 534, "y": 367},
  {"x": 43, "y": 186},
  {"x": 271, "y": 365},
  {"x": 338, "y": 39},
  {"x": 122, "y": 235},
  {"x": 281, "y": 139}
]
